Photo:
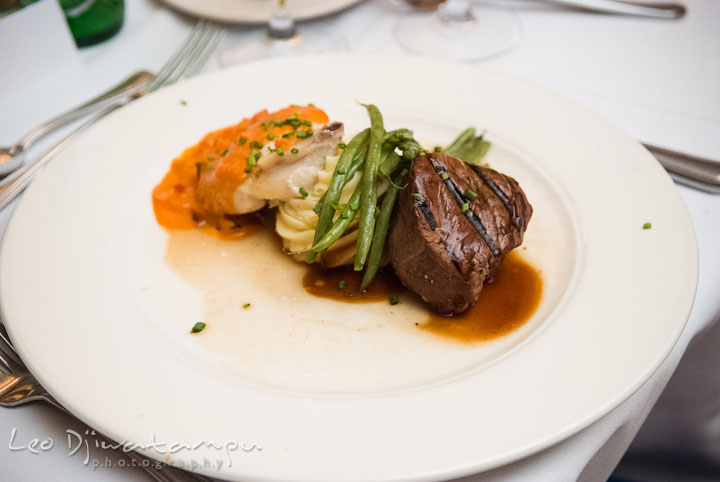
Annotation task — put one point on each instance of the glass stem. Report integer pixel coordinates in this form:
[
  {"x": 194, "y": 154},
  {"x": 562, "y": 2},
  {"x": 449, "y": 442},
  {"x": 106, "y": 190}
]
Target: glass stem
[
  {"x": 281, "y": 26},
  {"x": 456, "y": 11}
]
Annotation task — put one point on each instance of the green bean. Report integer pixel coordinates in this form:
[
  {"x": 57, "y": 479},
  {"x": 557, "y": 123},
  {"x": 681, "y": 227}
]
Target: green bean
[
  {"x": 381, "y": 230},
  {"x": 318, "y": 205},
  {"x": 484, "y": 148},
  {"x": 473, "y": 151},
  {"x": 356, "y": 164},
  {"x": 334, "y": 190},
  {"x": 397, "y": 136},
  {"x": 368, "y": 187},
  {"x": 341, "y": 223},
  {"x": 411, "y": 149},
  {"x": 464, "y": 136},
  {"x": 390, "y": 164}
]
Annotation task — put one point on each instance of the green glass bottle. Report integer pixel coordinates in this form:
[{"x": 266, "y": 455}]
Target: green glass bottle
[{"x": 92, "y": 21}]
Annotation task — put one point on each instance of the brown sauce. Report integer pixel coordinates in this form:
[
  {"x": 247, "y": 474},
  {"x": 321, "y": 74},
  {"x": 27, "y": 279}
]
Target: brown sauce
[
  {"x": 232, "y": 227},
  {"x": 343, "y": 284},
  {"x": 504, "y": 305}
]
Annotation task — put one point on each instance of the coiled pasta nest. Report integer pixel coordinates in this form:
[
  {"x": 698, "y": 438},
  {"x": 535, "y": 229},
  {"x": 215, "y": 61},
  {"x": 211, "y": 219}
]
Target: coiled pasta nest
[{"x": 295, "y": 220}]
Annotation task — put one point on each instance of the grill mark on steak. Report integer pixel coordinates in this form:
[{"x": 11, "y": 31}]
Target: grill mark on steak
[
  {"x": 430, "y": 219},
  {"x": 460, "y": 200},
  {"x": 509, "y": 206},
  {"x": 427, "y": 214}
]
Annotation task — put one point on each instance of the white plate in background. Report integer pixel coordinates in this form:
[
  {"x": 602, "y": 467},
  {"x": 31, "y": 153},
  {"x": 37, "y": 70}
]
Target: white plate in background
[{"x": 258, "y": 11}]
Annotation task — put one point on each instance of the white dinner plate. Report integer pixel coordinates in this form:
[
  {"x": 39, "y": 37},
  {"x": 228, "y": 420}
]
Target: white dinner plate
[
  {"x": 99, "y": 299},
  {"x": 258, "y": 11}
]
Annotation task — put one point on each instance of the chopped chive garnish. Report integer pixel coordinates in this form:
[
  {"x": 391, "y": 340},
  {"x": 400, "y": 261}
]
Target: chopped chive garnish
[
  {"x": 270, "y": 136},
  {"x": 444, "y": 176},
  {"x": 304, "y": 134},
  {"x": 647, "y": 225},
  {"x": 242, "y": 140},
  {"x": 288, "y": 135},
  {"x": 465, "y": 207},
  {"x": 182, "y": 102},
  {"x": 341, "y": 285},
  {"x": 307, "y": 123},
  {"x": 342, "y": 145},
  {"x": 470, "y": 194},
  {"x": 303, "y": 192},
  {"x": 293, "y": 121},
  {"x": 394, "y": 300},
  {"x": 198, "y": 327},
  {"x": 198, "y": 168},
  {"x": 294, "y": 150},
  {"x": 246, "y": 306},
  {"x": 257, "y": 156},
  {"x": 267, "y": 124},
  {"x": 418, "y": 196},
  {"x": 256, "y": 145},
  {"x": 280, "y": 151},
  {"x": 223, "y": 152},
  {"x": 251, "y": 161}
]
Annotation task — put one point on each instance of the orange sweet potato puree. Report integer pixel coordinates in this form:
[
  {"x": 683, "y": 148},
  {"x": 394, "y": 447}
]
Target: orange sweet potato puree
[{"x": 220, "y": 159}]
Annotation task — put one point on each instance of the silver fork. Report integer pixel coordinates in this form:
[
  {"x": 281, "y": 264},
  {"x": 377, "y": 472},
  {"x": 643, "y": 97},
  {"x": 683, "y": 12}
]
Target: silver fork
[
  {"x": 191, "y": 55},
  {"x": 11, "y": 157}
]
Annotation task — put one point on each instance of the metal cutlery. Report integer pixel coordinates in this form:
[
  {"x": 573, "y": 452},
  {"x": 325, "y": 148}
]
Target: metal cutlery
[
  {"x": 666, "y": 11},
  {"x": 12, "y": 157},
  {"x": 693, "y": 171},
  {"x": 191, "y": 55}
]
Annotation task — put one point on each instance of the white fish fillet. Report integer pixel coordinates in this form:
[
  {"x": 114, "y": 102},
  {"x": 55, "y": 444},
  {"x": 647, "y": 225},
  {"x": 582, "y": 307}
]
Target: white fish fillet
[{"x": 279, "y": 178}]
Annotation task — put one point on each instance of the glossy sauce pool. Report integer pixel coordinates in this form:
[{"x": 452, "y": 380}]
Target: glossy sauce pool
[{"x": 504, "y": 305}]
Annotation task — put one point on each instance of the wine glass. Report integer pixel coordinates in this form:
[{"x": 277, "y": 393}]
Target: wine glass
[
  {"x": 282, "y": 37},
  {"x": 459, "y": 30}
]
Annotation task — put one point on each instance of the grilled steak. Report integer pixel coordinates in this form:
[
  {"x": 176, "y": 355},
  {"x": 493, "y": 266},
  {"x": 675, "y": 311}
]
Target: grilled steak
[{"x": 454, "y": 224}]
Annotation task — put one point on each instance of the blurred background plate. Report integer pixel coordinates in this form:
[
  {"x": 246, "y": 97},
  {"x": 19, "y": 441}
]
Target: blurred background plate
[{"x": 258, "y": 11}]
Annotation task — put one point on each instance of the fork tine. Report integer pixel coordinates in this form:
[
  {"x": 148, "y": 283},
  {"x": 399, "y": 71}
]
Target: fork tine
[
  {"x": 6, "y": 345},
  {"x": 5, "y": 366},
  {"x": 177, "y": 57},
  {"x": 3, "y": 332},
  {"x": 197, "y": 56},
  {"x": 9, "y": 362}
]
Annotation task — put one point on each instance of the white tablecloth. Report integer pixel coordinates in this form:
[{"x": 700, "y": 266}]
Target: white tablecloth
[{"x": 658, "y": 80}]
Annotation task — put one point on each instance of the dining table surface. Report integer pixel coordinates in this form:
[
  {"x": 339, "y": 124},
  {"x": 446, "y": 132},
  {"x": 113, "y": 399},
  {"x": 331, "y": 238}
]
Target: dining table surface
[{"x": 656, "y": 79}]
